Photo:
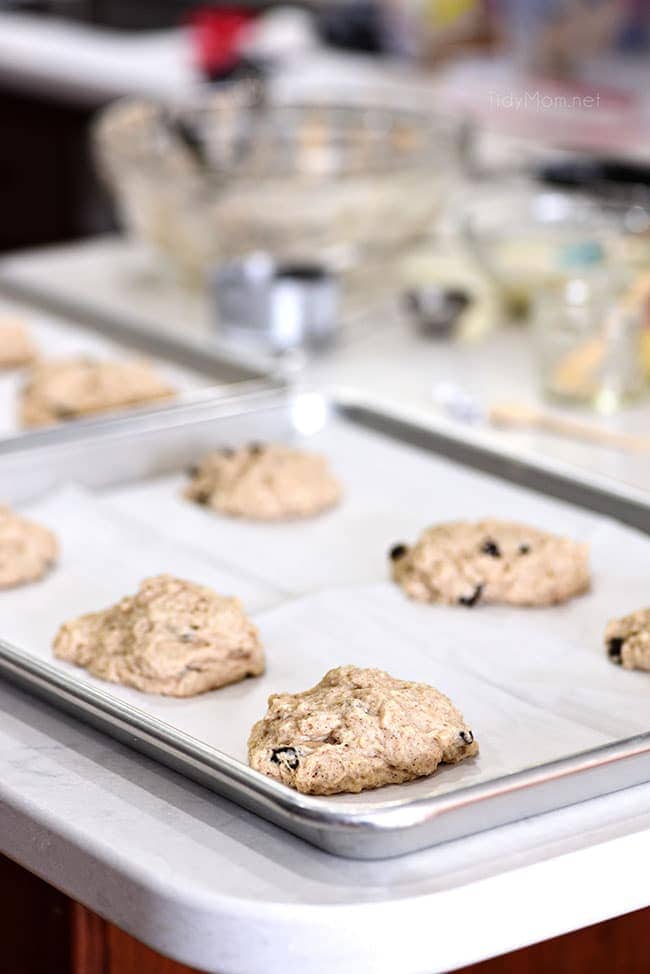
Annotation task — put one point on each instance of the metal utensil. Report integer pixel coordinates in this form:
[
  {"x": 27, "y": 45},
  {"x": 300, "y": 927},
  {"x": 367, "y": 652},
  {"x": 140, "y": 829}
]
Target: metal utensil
[{"x": 282, "y": 306}]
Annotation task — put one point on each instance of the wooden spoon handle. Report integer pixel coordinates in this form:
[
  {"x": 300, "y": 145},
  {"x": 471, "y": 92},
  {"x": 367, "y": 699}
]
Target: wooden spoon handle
[{"x": 516, "y": 414}]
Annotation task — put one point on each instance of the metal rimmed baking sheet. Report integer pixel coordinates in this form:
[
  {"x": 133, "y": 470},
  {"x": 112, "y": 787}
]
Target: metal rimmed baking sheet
[
  {"x": 535, "y": 683},
  {"x": 192, "y": 370}
]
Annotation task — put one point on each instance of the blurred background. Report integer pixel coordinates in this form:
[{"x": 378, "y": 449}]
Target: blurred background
[
  {"x": 62, "y": 60},
  {"x": 447, "y": 172}
]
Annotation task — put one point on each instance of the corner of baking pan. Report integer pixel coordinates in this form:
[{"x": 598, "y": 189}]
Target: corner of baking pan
[{"x": 202, "y": 405}]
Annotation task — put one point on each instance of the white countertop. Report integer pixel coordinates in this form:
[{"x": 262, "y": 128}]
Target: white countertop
[
  {"x": 379, "y": 355},
  {"x": 85, "y": 64},
  {"x": 207, "y": 883}
]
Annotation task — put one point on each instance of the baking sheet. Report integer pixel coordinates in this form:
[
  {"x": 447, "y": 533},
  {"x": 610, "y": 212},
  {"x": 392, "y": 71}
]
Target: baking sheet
[
  {"x": 56, "y": 338},
  {"x": 534, "y": 683}
]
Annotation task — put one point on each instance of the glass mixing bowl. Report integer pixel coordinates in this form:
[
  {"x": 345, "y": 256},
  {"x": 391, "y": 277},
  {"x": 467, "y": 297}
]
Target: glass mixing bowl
[
  {"x": 225, "y": 177},
  {"x": 518, "y": 235}
]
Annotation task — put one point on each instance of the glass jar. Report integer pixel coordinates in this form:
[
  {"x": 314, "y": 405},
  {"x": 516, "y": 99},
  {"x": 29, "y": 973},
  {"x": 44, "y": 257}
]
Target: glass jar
[{"x": 588, "y": 340}]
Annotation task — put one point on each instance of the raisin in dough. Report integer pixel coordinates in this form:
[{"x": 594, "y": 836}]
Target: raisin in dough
[
  {"x": 172, "y": 637},
  {"x": 264, "y": 482},
  {"x": 358, "y": 729},
  {"x": 462, "y": 563},
  {"x": 628, "y": 641},
  {"x": 72, "y": 388},
  {"x": 16, "y": 347},
  {"x": 27, "y": 550}
]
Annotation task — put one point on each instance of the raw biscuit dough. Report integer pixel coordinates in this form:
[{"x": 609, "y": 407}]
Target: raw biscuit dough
[
  {"x": 16, "y": 347},
  {"x": 358, "y": 729},
  {"x": 628, "y": 641},
  {"x": 172, "y": 637},
  {"x": 27, "y": 550},
  {"x": 264, "y": 482},
  {"x": 72, "y": 388},
  {"x": 491, "y": 561}
]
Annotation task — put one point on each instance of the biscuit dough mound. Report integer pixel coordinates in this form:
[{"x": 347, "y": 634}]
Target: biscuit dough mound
[
  {"x": 358, "y": 729},
  {"x": 463, "y": 563},
  {"x": 16, "y": 347},
  {"x": 627, "y": 641},
  {"x": 172, "y": 637},
  {"x": 59, "y": 390},
  {"x": 27, "y": 550},
  {"x": 264, "y": 482}
]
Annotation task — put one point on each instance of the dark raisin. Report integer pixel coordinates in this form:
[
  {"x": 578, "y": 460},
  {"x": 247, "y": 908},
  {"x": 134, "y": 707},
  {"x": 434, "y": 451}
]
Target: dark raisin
[
  {"x": 192, "y": 471},
  {"x": 524, "y": 549},
  {"x": 202, "y": 497},
  {"x": 64, "y": 412},
  {"x": 255, "y": 448},
  {"x": 470, "y": 600},
  {"x": 491, "y": 548},
  {"x": 615, "y": 649},
  {"x": 397, "y": 551},
  {"x": 467, "y": 736},
  {"x": 285, "y": 755}
]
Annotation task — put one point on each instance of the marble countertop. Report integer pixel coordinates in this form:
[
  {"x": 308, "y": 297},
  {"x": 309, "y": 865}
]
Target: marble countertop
[
  {"x": 207, "y": 883},
  {"x": 379, "y": 356},
  {"x": 210, "y": 885}
]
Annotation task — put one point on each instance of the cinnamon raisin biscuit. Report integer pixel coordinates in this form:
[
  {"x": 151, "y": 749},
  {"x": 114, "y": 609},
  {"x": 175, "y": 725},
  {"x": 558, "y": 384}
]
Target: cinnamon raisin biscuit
[
  {"x": 16, "y": 346},
  {"x": 65, "y": 389},
  {"x": 172, "y": 637},
  {"x": 264, "y": 482},
  {"x": 358, "y": 729},
  {"x": 463, "y": 563},
  {"x": 627, "y": 641},
  {"x": 27, "y": 550}
]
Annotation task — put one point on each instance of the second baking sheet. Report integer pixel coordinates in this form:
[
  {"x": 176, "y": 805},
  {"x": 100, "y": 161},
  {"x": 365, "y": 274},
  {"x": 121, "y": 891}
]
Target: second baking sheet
[{"x": 56, "y": 338}]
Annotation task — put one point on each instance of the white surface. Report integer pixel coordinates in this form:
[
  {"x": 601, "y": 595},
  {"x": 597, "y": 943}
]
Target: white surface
[
  {"x": 90, "y": 64},
  {"x": 542, "y": 671},
  {"x": 380, "y": 356},
  {"x": 56, "y": 338},
  {"x": 111, "y": 277},
  {"x": 399, "y": 371},
  {"x": 103, "y": 557}
]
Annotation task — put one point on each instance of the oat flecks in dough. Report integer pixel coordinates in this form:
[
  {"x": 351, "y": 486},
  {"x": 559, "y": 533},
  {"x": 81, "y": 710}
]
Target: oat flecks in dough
[
  {"x": 16, "y": 346},
  {"x": 358, "y": 729},
  {"x": 627, "y": 641},
  {"x": 264, "y": 482},
  {"x": 172, "y": 637},
  {"x": 27, "y": 550},
  {"x": 60, "y": 390},
  {"x": 465, "y": 563}
]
